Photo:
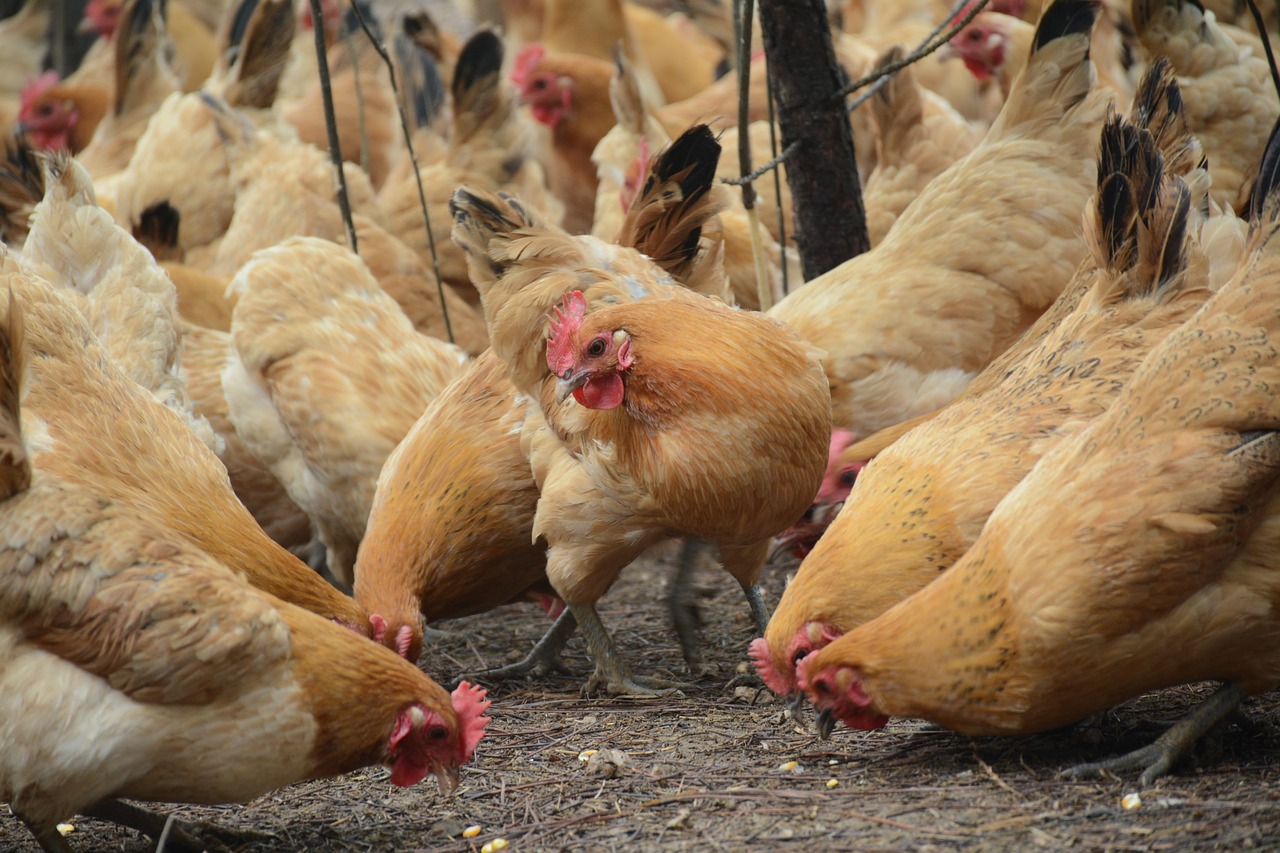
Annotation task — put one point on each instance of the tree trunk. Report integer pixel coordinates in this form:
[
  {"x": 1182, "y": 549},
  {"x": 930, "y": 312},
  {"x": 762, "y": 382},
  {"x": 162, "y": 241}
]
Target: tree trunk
[{"x": 831, "y": 226}]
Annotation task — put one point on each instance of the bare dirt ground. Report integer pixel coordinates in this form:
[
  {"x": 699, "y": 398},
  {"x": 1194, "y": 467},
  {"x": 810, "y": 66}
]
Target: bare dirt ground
[{"x": 702, "y": 770}]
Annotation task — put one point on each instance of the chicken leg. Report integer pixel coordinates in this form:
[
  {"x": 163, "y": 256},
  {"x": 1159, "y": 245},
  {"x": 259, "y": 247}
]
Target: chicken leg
[
  {"x": 1157, "y": 758},
  {"x": 543, "y": 658},
  {"x": 743, "y": 563},
  {"x": 611, "y": 673}
]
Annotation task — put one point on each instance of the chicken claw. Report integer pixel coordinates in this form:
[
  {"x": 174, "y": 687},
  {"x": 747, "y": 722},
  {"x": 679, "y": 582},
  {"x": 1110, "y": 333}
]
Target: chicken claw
[
  {"x": 177, "y": 834},
  {"x": 1157, "y": 758},
  {"x": 543, "y": 658},
  {"x": 611, "y": 674}
]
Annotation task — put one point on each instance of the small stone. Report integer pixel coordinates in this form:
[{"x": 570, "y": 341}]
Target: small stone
[{"x": 607, "y": 762}]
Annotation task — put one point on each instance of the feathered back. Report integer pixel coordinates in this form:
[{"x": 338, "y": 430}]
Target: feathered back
[
  {"x": 15, "y": 466},
  {"x": 896, "y": 108},
  {"x": 670, "y": 217}
]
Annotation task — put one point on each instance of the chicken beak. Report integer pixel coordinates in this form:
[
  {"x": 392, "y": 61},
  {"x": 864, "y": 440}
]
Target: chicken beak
[
  {"x": 947, "y": 51},
  {"x": 568, "y": 383},
  {"x": 826, "y": 723},
  {"x": 446, "y": 777},
  {"x": 796, "y": 702}
]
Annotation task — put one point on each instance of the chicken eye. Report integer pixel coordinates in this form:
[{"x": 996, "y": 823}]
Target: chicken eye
[
  {"x": 975, "y": 36},
  {"x": 846, "y": 477},
  {"x": 596, "y": 348},
  {"x": 437, "y": 733},
  {"x": 539, "y": 85},
  {"x": 44, "y": 110},
  {"x": 800, "y": 655}
]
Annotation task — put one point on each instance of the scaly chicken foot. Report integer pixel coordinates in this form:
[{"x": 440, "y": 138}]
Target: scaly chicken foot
[
  {"x": 180, "y": 836},
  {"x": 684, "y": 612},
  {"x": 543, "y": 658},
  {"x": 611, "y": 674},
  {"x": 760, "y": 616},
  {"x": 1157, "y": 758}
]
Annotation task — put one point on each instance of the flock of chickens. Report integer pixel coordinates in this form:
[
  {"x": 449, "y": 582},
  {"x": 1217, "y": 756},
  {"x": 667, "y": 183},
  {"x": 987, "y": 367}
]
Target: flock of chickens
[{"x": 248, "y": 456}]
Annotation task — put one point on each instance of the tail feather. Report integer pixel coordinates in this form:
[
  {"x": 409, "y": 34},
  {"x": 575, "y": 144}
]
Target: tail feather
[
  {"x": 1059, "y": 74},
  {"x": 258, "y": 51},
  {"x": 667, "y": 218},
  {"x": 140, "y": 41},
  {"x": 21, "y": 188},
  {"x": 478, "y": 96},
  {"x": 1158, "y": 106},
  {"x": 483, "y": 226},
  {"x": 421, "y": 81},
  {"x": 15, "y": 464}
]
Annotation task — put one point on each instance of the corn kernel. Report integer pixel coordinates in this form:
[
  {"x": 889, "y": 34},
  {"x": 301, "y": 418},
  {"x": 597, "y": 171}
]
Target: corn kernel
[
  {"x": 471, "y": 832},
  {"x": 495, "y": 845},
  {"x": 586, "y": 754},
  {"x": 1131, "y": 802},
  {"x": 791, "y": 767},
  {"x": 831, "y": 783},
  {"x": 66, "y": 829}
]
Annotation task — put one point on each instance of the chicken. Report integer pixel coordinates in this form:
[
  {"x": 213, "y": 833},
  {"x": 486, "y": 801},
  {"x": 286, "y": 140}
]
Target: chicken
[
  {"x": 971, "y": 263},
  {"x": 194, "y": 47},
  {"x": 330, "y": 377},
  {"x": 460, "y": 474},
  {"x": 918, "y": 136},
  {"x": 189, "y": 684},
  {"x": 570, "y": 95},
  {"x": 919, "y": 506},
  {"x": 622, "y": 162},
  {"x": 643, "y": 455},
  {"x": 143, "y": 79},
  {"x": 489, "y": 148},
  {"x": 995, "y": 46},
  {"x": 61, "y": 116},
  {"x": 158, "y": 467},
  {"x": 1139, "y": 554},
  {"x": 1231, "y": 102}
]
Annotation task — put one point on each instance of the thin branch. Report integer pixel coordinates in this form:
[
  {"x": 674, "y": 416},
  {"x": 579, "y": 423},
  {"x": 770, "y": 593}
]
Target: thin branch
[
  {"x": 331, "y": 124},
  {"x": 924, "y": 49},
  {"x": 759, "y": 173},
  {"x": 413, "y": 158},
  {"x": 777, "y": 180},
  {"x": 764, "y": 288}
]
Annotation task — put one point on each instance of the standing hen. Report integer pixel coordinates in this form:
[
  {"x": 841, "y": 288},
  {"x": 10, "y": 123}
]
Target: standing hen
[
  {"x": 683, "y": 410},
  {"x": 451, "y": 528},
  {"x": 921, "y": 503},
  {"x": 1137, "y": 555},
  {"x": 132, "y": 664}
]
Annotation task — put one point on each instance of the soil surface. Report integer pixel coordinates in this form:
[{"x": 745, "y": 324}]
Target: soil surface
[{"x": 703, "y": 770}]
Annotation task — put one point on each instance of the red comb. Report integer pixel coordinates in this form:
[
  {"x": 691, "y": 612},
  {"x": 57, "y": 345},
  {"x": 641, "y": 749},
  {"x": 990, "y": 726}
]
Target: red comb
[
  {"x": 469, "y": 703},
  {"x": 526, "y": 61},
  {"x": 774, "y": 680},
  {"x": 564, "y": 326}
]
